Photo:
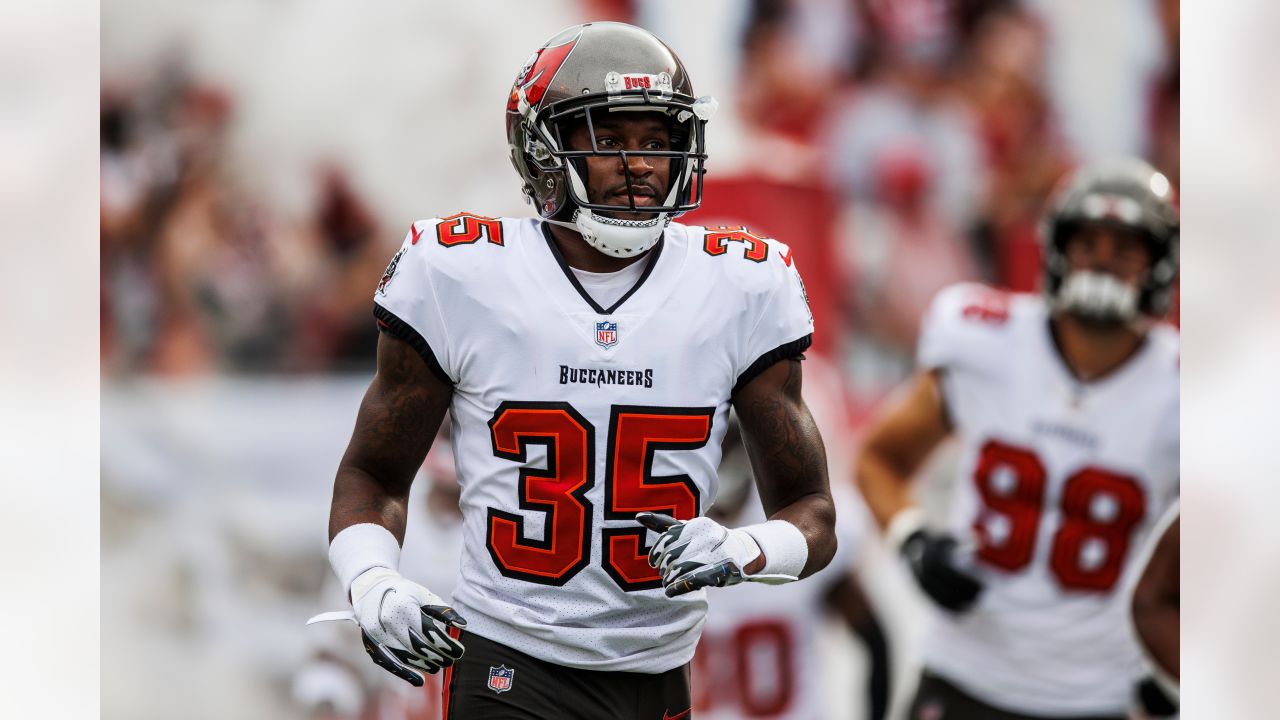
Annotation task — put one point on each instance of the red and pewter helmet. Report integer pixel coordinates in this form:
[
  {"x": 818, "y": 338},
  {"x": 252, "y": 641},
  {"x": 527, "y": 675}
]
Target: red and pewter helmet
[
  {"x": 1122, "y": 192},
  {"x": 580, "y": 73}
]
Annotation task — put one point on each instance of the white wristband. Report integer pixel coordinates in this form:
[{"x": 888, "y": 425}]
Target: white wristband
[
  {"x": 360, "y": 547},
  {"x": 902, "y": 526},
  {"x": 784, "y": 546}
]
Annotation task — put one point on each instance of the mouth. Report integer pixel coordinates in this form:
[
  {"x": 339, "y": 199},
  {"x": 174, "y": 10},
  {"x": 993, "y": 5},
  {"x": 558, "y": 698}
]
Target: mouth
[{"x": 643, "y": 195}]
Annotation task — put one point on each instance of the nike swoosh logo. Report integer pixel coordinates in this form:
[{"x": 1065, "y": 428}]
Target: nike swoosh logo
[
  {"x": 416, "y": 233},
  {"x": 677, "y": 716}
]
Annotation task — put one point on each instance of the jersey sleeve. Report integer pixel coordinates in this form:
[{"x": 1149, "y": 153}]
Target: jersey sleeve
[
  {"x": 783, "y": 324},
  {"x": 406, "y": 305},
  {"x": 963, "y": 334},
  {"x": 958, "y": 326}
]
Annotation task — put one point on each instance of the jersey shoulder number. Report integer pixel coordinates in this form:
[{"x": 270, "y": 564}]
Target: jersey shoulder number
[
  {"x": 965, "y": 324},
  {"x": 428, "y": 248},
  {"x": 723, "y": 240},
  {"x": 466, "y": 228}
]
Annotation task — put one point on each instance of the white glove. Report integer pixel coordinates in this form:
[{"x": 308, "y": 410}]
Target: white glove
[
  {"x": 702, "y": 553},
  {"x": 405, "y": 626}
]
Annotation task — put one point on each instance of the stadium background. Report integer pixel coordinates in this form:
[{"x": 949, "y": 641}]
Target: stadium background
[{"x": 261, "y": 161}]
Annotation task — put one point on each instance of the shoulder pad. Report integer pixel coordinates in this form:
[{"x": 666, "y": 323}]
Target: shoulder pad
[{"x": 959, "y": 323}]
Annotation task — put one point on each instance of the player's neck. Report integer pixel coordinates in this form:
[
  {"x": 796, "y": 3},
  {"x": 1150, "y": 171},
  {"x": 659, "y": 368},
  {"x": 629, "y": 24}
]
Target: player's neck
[
  {"x": 1091, "y": 352},
  {"x": 581, "y": 256}
]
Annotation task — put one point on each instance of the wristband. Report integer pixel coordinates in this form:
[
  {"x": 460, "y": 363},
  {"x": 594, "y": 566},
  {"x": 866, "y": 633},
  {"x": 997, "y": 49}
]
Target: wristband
[
  {"x": 359, "y": 547},
  {"x": 785, "y": 550},
  {"x": 903, "y": 525}
]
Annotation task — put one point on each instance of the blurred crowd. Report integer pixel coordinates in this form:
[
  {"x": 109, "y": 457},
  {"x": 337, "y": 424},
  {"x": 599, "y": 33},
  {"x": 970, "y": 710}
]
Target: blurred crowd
[
  {"x": 198, "y": 274},
  {"x": 937, "y": 127}
]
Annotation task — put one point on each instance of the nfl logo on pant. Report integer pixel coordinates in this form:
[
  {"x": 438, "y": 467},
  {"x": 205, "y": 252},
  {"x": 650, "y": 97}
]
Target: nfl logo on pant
[
  {"x": 606, "y": 334},
  {"x": 500, "y": 678}
]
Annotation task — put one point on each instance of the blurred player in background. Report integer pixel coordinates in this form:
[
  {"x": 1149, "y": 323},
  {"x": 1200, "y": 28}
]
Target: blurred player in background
[
  {"x": 588, "y": 359},
  {"x": 1156, "y": 613},
  {"x": 1067, "y": 408},
  {"x": 760, "y": 653},
  {"x": 333, "y": 686}
]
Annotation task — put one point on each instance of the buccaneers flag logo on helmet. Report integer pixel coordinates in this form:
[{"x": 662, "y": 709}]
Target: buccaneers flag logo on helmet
[{"x": 536, "y": 76}]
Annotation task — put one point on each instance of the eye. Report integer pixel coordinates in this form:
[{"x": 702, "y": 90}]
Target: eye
[
  {"x": 656, "y": 145},
  {"x": 606, "y": 141}
]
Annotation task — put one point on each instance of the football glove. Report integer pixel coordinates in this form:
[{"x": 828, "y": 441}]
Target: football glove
[
  {"x": 404, "y": 625},
  {"x": 701, "y": 553},
  {"x": 931, "y": 557},
  {"x": 1153, "y": 700}
]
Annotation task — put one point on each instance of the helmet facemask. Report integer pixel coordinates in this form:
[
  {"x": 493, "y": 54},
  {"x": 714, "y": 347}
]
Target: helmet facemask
[
  {"x": 588, "y": 72},
  {"x": 1097, "y": 298},
  {"x": 565, "y": 170}
]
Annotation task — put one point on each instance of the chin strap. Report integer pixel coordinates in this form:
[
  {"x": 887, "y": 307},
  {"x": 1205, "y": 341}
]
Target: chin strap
[
  {"x": 1099, "y": 296},
  {"x": 615, "y": 236}
]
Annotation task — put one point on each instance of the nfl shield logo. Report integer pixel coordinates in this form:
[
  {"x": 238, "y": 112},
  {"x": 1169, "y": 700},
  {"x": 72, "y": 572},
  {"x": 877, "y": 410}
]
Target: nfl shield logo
[
  {"x": 500, "y": 678},
  {"x": 606, "y": 334}
]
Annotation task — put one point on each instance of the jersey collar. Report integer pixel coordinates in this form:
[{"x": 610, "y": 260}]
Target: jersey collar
[{"x": 651, "y": 262}]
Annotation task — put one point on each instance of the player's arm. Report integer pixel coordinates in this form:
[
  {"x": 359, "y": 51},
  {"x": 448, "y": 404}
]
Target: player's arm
[
  {"x": 398, "y": 418},
  {"x": 789, "y": 461},
  {"x": 910, "y": 426},
  {"x": 1156, "y": 603},
  {"x": 848, "y": 601},
  {"x": 405, "y": 626},
  {"x": 900, "y": 439},
  {"x": 790, "y": 467}
]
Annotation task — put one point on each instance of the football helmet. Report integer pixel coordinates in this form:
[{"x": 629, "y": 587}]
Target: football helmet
[
  {"x": 582, "y": 72},
  {"x": 1126, "y": 193}
]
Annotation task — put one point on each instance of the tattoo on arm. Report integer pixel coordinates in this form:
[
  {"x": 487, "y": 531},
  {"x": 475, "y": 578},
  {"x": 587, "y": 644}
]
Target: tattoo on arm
[
  {"x": 398, "y": 419},
  {"x": 788, "y": 457}
]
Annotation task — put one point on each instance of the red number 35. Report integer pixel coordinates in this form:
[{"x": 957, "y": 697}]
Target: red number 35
[
  {"x": 560, "y": 490},
  {"x": 1020, "y": 501}
]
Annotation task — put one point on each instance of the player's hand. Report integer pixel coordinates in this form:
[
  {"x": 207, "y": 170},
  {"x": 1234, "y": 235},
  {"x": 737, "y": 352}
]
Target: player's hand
[
  {"x": 931, "y": 557},
  {"x": 700, "y": 553},
  {"x": 405, "y": 626}
]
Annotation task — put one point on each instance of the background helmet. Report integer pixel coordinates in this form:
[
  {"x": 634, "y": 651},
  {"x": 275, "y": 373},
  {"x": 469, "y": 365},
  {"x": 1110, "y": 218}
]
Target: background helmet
[
  {"x": 1126, "y": 193},
  {"x": 581, "y": 72}
]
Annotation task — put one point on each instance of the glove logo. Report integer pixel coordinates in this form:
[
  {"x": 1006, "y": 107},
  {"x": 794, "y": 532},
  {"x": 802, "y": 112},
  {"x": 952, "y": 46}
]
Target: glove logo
[{"x": 501, "y": 678}]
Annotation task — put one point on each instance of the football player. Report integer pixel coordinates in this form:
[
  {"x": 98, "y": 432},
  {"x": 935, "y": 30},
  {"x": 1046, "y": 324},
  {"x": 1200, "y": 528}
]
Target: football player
[
  {"x": 760, "y": 655},
  {"x": 588, "y": 358},
  {"x": 1066, "y": 405}
]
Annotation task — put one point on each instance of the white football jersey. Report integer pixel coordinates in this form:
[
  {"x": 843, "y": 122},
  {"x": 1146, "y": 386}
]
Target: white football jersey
[
  {"x": 1060, "y": 482},
  {"x": 569, "y": 418},
  {"x": 760, "y": 655}
]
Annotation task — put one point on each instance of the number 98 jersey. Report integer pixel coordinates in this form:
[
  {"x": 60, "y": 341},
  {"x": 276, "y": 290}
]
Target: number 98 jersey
[
  {"x": 1060, "y": 483},
  {"x": 569, "y": 418}
]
